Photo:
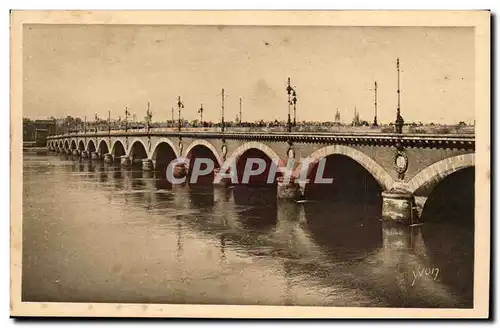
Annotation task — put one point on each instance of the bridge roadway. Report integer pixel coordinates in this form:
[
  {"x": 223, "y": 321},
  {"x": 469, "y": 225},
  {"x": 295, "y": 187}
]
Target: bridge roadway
[{"x": 407, "y": 167}]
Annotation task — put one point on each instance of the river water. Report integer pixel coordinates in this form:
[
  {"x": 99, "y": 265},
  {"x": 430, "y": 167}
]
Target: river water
[{"x": 99, "y": 233}]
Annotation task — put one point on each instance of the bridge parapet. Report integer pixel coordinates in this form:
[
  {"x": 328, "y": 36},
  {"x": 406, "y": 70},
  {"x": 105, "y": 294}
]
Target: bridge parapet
[{"x": 464, "y": 141}]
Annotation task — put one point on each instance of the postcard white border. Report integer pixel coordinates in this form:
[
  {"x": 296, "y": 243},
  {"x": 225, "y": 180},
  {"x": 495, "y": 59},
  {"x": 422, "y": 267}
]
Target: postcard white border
[{"x": 478, "y": 19}]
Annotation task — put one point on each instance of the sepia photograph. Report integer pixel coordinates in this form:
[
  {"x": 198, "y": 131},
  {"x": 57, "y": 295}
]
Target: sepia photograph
[{"x": 286, "y": 164}]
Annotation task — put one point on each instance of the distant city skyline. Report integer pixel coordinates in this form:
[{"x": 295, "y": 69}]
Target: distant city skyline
[{"x": 83, "y": 70}]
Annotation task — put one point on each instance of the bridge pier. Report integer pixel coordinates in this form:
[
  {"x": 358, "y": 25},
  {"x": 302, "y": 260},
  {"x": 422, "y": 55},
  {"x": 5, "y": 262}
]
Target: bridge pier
[
  {"x": 124, "y": 160},
  {"x": 180, "y": 171},
  {"x": 108, "y": 158},
  {"x": 75, "y": 152},
  {"x": 397, "y": 206},
  {"x": 147, "y": 164},
  {"x": 135, "y": 161},
  {"x": 397, "y": 237},
  {"x": 223, "y": 181},
  {"x": 85, "y": 154},
  {"x": 94, "y": 156},
  {"x": 288, "y": 190}
]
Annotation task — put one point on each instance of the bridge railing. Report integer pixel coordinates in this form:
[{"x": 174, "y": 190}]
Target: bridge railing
[
  {"x": 202, "y": 133},
  {"x": 338, "y": 130}
]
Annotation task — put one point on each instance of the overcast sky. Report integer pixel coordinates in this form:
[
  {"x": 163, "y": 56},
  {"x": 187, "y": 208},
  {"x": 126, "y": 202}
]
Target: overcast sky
[{"x": 86, "y": 69}]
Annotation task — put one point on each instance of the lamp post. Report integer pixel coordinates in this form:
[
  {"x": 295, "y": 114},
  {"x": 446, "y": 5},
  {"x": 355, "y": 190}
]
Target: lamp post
[
  {"x": 127, "y": 113},
  {"x": 289, "y": 91},
  {"x": 109, "y": 121},
  {"x": 375, "y": 123},
  {"x": 179, "y": 105},
  {"x": 173, "y": 119},
  {"x": 149, "y": 116},
  {"x": 294, "y": 101},
  {"x": 399, "y": 119},
  {"x": 96, "y": 120},
  {"x": 200, "y": 111},
  {"x": 240, "y": 113},
  {"x": 222, "y": 111}
]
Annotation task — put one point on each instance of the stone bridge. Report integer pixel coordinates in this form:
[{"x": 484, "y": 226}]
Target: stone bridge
[{"x": 403, "y": 168}]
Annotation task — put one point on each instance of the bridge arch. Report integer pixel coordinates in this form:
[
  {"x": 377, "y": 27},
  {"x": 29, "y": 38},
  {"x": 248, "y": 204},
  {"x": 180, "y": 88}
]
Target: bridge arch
[
  {"x": 91, "y": 146},
  {"x": 428, "y": 178},
  {"x": 103, "y": 147},
  {"x": 61, "y": 144},
  {"x": 250, "y": 150},
  {"x": 382, "y": 177},
  {"x": 451, "y": 200},
  {"x": 73, "y": 144},
  {"x": 118, "y": 149},
  {"x": 202, "y": 149},
  {"x": 66, "y": 144},
  {"x": 137, "y": 150},
  {"x": 163, "y": 153},
  {"x": 252, "y": 145},
  {"x": 426, "y": 181},
  {"x": 206, "y": 144},
  {"x": 81, "y": 145},
  {"x": 168, "y": 143}
]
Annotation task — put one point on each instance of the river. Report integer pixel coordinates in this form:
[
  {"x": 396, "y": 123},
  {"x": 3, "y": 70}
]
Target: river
[{"x": 99, "y": 233}]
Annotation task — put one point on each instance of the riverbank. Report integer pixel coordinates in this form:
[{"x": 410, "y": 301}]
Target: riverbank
[{"x": 36, "y": 150}]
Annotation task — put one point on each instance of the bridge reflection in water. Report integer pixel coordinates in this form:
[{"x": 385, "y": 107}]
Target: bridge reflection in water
[{"x": 123, "y": 235}]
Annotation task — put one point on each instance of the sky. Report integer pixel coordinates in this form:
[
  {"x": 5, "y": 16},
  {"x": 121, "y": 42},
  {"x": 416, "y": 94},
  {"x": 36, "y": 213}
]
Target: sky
[{"x": 83, "y": 70}]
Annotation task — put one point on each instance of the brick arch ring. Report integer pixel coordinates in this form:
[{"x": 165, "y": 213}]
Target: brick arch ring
[
  {"x": 73, "y": 140},
  {"x": 436, "y": 172},
  {"x": 113, "y": 144},
  {"x": 88, "y": 143},
  {"x": 131, "y": 144},
  {"x": 105, "y": 142},
  {"x": 251, "y": 145},
  {"x": 206, "y": 144},
  {"x": 383, "y": 178},
  {"x": 152, "y": 154}
]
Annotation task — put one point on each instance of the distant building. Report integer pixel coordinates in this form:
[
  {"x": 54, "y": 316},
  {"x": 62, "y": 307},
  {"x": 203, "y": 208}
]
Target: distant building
[
  {"x": 36, "y": 132},
  {"x": 337, "y": 117},
  {"x": 355, "y": 120}
]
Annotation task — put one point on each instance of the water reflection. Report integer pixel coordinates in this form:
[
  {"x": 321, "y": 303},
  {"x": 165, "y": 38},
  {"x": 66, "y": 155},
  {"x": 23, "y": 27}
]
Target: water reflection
[
  {"x": 206, "y": 244},
  {"x": 453, "y": 254},
  {"x": 258, "y": 211},
  {"x": 201, "y": 196},
  {"x": 345, "y": 231}
]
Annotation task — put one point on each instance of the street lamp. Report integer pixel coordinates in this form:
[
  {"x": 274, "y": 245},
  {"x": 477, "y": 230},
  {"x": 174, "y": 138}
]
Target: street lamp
[
  {"x": 109, "y": 121},
  {"x": 127, "y": 113},
  {"x": 96, "y": 120},
  {"x": 200, "y": 111},
  {"x": 240, "y": 114},
  {"x": 149, "y": 117},
  {"x": 291, "y": 93},
  {"x": 179, "y": 105},
  {"x": 223, "y": 124},
  {"x": 294, "y": 101},
  {"x": 399, "y": 119},
  {"x": 375, "y": 123}
]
